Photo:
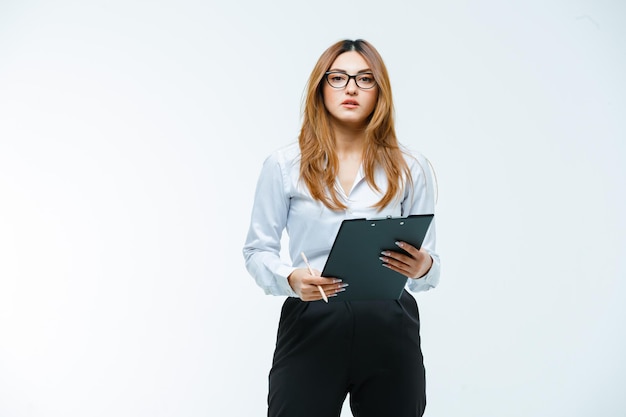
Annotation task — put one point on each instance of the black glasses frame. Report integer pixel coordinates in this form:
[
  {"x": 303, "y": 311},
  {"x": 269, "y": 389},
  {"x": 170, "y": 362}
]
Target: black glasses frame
[{"x": 349, "y": 78}]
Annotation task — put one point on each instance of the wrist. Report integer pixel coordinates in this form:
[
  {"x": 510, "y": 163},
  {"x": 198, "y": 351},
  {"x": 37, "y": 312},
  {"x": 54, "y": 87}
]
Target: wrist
[{"x": 430, "y": 265}]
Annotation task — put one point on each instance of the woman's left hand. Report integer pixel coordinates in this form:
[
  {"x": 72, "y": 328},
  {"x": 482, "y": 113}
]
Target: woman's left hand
[{"x": 414, "y": 266}]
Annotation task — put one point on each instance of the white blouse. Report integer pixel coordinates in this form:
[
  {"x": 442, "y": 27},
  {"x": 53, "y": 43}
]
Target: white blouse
[{"x": 283, "y": 202}]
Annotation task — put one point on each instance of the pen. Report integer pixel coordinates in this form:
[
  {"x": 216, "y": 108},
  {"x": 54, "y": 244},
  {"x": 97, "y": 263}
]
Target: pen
[{"x": 306, "y": 261}]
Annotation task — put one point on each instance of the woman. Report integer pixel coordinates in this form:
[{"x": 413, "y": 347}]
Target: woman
[{"x": 347, "y": 164}]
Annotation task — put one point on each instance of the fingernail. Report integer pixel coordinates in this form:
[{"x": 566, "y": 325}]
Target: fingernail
[
  {"x": 385, "y": 253},
  {"x": 399, "y": 244},
  {"x": 340, "y": 290},
  {"x": 381, "y": 258},
  {"x": 344, "y": 285},
  {"x": 336, "y": 281}
]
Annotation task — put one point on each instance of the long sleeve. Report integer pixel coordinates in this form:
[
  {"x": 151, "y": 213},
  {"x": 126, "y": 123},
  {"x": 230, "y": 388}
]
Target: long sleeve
[
  {"x": 420, "y": 199},
  {"x": 269, "y": 217},
  {"x": 283, "y": 203}
]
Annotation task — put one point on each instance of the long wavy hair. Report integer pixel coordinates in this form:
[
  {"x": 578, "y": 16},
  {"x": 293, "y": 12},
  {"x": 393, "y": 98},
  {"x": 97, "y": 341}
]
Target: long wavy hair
[{"x": 319, "y": 164}]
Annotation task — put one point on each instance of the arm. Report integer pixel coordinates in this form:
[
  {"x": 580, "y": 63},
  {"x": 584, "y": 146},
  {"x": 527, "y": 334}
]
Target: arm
[
  {"x": 269, "y": 217},
  {"x": 423, "y": 266},
  {"x": 262, "y": 248}
]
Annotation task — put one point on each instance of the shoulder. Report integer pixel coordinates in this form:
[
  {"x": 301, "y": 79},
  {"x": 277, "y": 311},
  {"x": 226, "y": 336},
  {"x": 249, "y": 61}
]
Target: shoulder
[
  {"x": 286, "y": 157},
  {"x": 423, "y": 176},
  {"x": 418, "y": 163},
  {"x": 283, "y": 163}
]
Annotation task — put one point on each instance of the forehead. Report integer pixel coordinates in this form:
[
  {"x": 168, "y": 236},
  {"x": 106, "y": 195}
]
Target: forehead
[{"x": 351, "y": 62}]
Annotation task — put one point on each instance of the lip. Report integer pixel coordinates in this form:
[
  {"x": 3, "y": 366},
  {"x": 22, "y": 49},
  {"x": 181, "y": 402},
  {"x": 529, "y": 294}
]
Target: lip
[{"x": 350, "y": 103}]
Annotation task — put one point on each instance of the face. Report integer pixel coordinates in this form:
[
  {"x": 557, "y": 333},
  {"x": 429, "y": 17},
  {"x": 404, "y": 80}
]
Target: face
[{"x": 350, "y": 105}]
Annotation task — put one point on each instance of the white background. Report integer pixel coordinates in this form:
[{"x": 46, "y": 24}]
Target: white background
[{"x": 131, "y": 136}]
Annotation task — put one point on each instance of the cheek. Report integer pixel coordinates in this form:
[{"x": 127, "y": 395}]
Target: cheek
[
  {"x": 327, "y": 92},
  {"x": 327, "y": 98},
  {"x": 373, "y": 100}
]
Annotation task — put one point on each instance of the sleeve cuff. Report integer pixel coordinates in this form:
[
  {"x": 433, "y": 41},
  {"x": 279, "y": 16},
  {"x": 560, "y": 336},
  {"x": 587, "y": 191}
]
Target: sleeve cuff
[
  {"x": 428, "y": 281},
  {"x": 281, "y": 277}
]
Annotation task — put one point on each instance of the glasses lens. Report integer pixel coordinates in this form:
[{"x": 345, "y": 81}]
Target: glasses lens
[
  {"x": 337, "y": 79},
  {"x": 365, "y": 81}
]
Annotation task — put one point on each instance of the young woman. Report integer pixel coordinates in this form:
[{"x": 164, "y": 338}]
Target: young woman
[{"x": 347, "y": 164}]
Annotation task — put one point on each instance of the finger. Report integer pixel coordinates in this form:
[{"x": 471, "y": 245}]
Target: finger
[
  {"x": 402, "y": 264},
  {"x": 401, "y": 270},
  {"x": 400, "y": 257},
  {"x": 318, "y": 293},
  {"x": 396, "y": 259},
  {"x": 312, "y": 289},
  {"x": 412, "y": 250},
  {"x": 320, "y": 281},
  {"x": 331, "y": 289},
  {"x": 414, "y": 255},
  {"x": 311, "y": 293}
]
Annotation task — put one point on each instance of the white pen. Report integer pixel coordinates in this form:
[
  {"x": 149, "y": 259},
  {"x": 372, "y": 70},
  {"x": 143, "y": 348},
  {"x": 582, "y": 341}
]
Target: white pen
[{"x": 306, "y": 261}]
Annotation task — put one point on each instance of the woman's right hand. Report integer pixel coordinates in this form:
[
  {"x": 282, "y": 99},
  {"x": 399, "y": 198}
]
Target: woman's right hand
[{"x": 306, "y": 285}]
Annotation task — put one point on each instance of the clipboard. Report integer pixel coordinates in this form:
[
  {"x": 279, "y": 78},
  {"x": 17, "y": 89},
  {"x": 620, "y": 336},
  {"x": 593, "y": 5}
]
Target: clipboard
[{"x": 354, "y": 256}]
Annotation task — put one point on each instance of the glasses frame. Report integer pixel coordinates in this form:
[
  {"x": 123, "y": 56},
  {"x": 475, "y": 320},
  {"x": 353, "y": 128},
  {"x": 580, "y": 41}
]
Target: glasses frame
[{"x": 327, "y": 73}]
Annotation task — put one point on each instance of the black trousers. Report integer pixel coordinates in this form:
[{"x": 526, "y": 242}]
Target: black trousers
[{"x": 369, "y": 349}]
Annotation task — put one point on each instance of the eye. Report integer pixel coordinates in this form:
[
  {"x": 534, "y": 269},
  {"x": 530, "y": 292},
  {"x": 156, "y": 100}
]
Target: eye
[
  {"x": 368, "y": 79},
  {"x": 337, "y": 77}
]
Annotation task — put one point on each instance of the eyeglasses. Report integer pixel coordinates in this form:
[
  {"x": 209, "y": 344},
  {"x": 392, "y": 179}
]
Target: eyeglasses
[{"x": 364, "y": 81}]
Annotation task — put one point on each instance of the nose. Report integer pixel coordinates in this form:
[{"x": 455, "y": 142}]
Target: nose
[{"x": 351, "y": 87}]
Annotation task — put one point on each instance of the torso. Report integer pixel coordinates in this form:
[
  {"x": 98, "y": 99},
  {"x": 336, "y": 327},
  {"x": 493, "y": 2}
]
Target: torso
[{"x": 348, "y": 170}]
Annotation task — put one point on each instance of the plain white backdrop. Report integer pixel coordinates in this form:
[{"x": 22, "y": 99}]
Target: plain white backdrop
[{"x": 131, "y": 137}]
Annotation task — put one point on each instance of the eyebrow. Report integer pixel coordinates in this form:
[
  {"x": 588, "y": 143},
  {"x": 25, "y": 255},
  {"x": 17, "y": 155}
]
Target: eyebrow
[{"x": 345, "y": 72}]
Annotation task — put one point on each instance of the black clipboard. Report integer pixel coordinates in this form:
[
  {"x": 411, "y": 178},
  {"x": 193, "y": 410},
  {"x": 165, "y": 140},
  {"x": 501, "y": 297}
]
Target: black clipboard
[{"x": 354, "y": 256}]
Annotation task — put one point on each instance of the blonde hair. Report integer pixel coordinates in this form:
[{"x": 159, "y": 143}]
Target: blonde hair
[{"x": 319, "y": 164}]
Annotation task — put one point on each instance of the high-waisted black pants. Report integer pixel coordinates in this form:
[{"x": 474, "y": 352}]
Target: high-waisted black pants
[{"x": 370, "y": 349}]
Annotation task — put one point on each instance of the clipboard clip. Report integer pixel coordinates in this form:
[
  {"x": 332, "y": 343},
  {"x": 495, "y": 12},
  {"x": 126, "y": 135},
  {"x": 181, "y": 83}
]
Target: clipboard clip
[{"x": 379, "y": 218}]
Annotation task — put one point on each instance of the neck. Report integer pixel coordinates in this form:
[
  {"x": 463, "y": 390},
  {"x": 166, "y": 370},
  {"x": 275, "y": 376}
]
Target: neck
[{"x": 349, "y": 141}]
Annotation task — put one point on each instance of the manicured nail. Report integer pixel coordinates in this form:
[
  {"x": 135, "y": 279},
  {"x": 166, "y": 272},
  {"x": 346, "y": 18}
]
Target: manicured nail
[{"x": 400, "y": 244}]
